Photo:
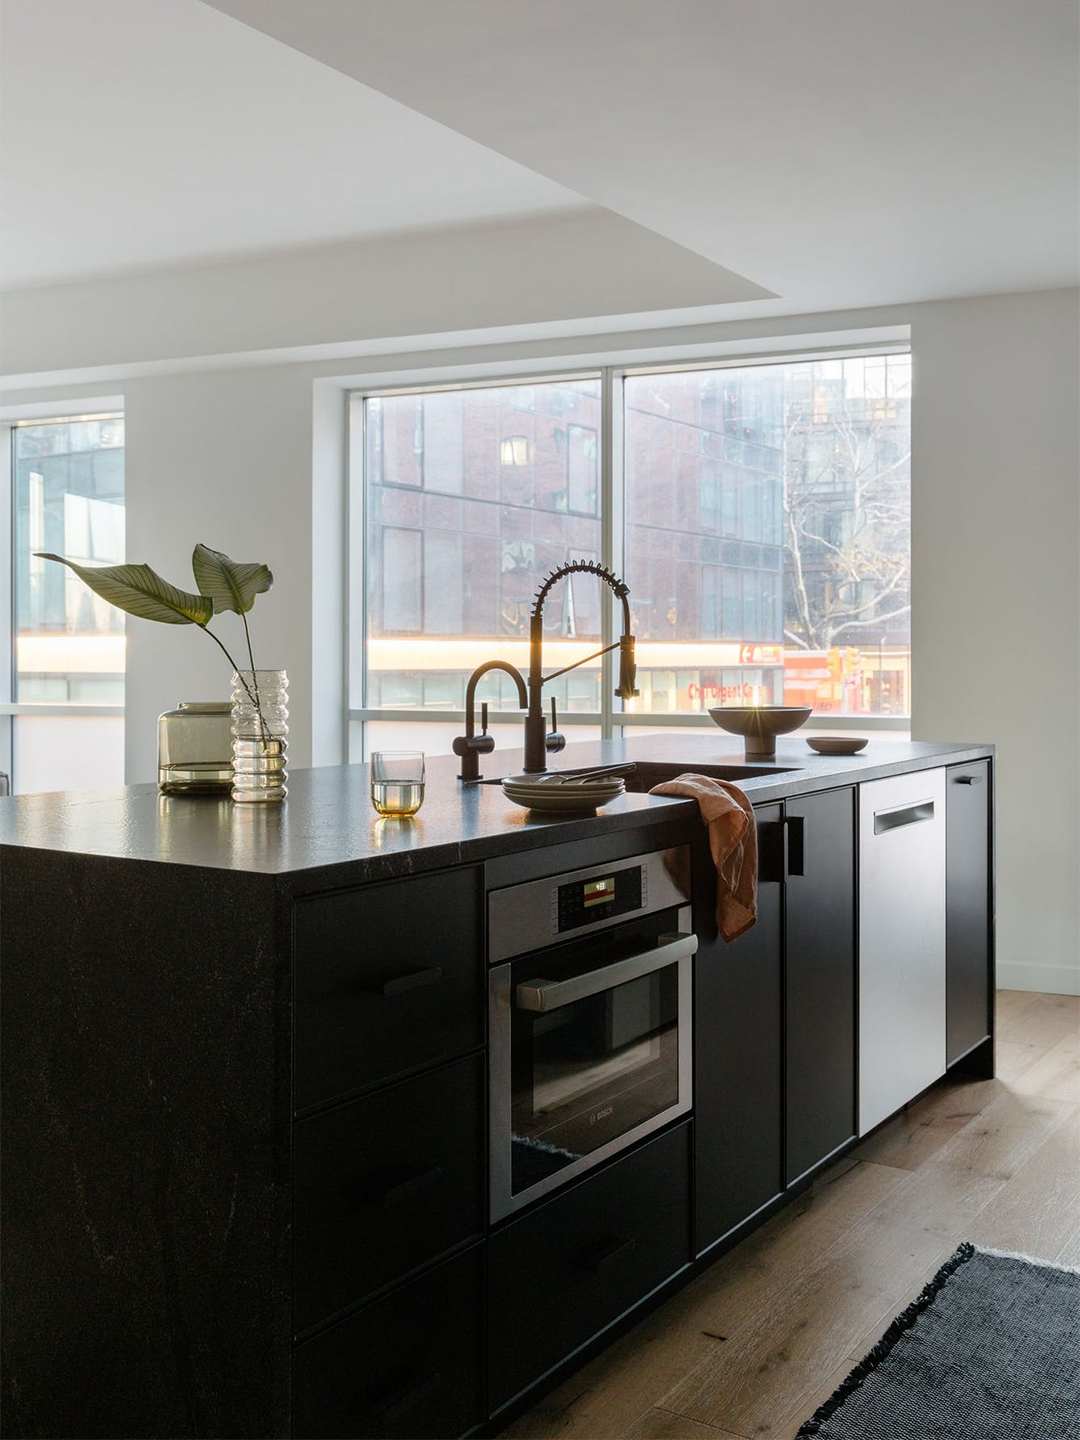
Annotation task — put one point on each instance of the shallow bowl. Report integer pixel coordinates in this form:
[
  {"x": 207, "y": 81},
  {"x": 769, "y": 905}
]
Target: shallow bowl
[
  {"x": 759, "y": 725},
  {"x": 835, "y": 744},
  {"x": 761, "y": 719}
]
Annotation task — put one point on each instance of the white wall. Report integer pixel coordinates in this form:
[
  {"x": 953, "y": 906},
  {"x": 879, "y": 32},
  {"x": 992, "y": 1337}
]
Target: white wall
[
  {"x": 996, "y": 618},
  {"x": 224, "y": 459},
  {"x": 229, "y": 456}
]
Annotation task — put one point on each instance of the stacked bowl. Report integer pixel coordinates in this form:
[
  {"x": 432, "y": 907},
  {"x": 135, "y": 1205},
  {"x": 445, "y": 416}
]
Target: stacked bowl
[{"x": 565, "y": 793}]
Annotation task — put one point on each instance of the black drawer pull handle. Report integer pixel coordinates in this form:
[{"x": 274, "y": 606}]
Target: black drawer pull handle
[
  {"x": 401, "y": 984},
  {"x": 610, "y": 1254},
  {"x": 397, "y": 1404},
  {"x": 411, "y": 1188},
  {"x": 968, "y": 779}
]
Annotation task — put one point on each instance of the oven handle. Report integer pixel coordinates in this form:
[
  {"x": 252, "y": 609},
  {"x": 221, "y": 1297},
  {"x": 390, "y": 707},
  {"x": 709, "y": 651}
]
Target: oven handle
[{"x": 545, "y": 995}]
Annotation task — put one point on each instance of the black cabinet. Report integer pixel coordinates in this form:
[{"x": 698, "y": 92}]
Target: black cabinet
[
  {"x": 967, "y": 908},
  {"x": 774, "y": 1025},
  {"x": 385, "y": 1184},
  {"x": 563, "y": 1272},
  {"x": 738, "y": 1062},
  {"x": 387, "y": 979},
  {"x": 409, "y": 1365},
  {"x": 819, "y": 978}
]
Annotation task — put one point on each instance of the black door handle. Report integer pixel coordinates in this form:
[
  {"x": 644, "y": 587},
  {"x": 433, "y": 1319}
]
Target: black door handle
[
  {"x": 395, "y": 1404},
  {"x": 609, "y": 1255},
  {"x": 412, "y": 1187},
  {"x": 772, "y": 851},
  {"x": 794, "y": 845},
  {"x": 401, "y": 984},
  {"x": 968, "y": 779}
]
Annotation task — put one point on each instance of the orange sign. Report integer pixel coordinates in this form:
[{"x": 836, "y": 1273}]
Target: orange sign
[{"x": 760, "y": 655}]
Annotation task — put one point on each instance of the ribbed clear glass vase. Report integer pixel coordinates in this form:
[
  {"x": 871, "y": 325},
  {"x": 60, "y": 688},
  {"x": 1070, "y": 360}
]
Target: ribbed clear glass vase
[{"x": 260, "y": 735}]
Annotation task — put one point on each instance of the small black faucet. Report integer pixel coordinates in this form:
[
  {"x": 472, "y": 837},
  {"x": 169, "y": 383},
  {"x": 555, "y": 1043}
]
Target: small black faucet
[
  {"x": 539, "y": 742},
  {"x": 471, "y": 746}
]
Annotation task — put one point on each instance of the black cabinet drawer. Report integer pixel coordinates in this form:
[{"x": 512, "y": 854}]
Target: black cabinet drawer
[
  {"x": 383, "y": 1184},
  {"x": 386, "y": 978},
  {"x": 560, "y": 1274},
  {"x": 408, "y": 1365}
]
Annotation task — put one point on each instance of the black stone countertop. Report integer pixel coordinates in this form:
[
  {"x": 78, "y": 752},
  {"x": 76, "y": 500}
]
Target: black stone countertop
[{"x": 328, "y": 823}]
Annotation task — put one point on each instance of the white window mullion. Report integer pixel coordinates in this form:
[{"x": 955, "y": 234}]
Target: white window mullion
[
  {"x": 613, "y": 521},
  {"x": 7, "y": 598}
]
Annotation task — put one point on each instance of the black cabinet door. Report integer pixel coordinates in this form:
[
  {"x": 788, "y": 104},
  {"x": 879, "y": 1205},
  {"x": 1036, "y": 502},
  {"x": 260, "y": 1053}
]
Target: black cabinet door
[
  {"x": 562, "y": 1272},
  {"x": 967, "y": 907},
  {"x": 387, "y": 978},
  {"x": 737, "y": 1050},
  {"x": 384, "y": 1184},
  {"x": 819, "y": 981},
  {"x": 409, "y": 1365}
]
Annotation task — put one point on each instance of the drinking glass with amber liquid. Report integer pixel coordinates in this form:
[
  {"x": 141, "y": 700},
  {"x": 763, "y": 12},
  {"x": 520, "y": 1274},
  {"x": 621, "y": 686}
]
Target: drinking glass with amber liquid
[{"x": 397, "y": 782}]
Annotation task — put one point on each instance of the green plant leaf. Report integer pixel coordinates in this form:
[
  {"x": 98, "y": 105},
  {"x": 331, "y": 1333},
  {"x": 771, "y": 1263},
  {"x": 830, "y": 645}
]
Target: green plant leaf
[
  {"x": 140, "y": 591},
  {"x": 230, "y": 584}
]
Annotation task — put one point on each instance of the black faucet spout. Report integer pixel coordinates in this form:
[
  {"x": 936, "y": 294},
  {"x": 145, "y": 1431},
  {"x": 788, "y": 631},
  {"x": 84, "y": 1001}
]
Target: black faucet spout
[
  {"x": 471, "y": 746},
  {"x": 537, "y": 742}
]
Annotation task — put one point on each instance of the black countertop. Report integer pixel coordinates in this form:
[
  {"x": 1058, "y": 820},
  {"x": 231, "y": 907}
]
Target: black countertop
[{"x": 328, "y": 823}]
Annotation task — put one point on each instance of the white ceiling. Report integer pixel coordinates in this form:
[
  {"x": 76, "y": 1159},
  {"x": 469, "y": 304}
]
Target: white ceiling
[
  {"x": 834, "y": 152},
  {"x": 142, "y": 133},
  {"x": 837, "y": 152}
]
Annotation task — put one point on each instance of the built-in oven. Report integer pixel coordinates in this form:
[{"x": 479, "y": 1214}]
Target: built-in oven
[{"x": 589, "y": 1019}]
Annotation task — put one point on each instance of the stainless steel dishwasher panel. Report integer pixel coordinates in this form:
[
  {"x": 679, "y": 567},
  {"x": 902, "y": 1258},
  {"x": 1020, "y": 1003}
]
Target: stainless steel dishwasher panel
[{"x": 901, "y": 941}]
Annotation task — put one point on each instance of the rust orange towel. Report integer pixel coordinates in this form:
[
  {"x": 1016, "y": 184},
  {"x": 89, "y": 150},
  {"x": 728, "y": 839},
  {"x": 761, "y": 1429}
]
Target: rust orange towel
[{"x": 729, "y": 816}]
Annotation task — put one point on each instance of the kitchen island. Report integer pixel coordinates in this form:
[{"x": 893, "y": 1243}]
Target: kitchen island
[{"x": 248, "y": 1075}]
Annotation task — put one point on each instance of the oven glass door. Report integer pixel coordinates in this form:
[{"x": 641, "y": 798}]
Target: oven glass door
[{"x": 594, "y": 1054}]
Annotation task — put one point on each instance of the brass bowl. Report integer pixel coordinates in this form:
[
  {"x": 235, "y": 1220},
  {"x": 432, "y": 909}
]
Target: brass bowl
[{"x": 760, "y": 724}]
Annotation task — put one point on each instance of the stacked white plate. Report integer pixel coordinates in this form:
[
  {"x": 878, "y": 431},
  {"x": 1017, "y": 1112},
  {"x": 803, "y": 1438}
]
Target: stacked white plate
[{"x": 562, "y": 792}]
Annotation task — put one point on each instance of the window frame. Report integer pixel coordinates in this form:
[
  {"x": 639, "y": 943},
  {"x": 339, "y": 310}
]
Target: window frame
[
  {"x": 611, "y": 504},
  {"x": 58, "y": 412}
]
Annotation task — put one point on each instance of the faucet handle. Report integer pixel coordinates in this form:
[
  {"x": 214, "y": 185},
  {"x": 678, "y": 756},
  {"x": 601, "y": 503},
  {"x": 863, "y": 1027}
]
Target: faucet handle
[{"x": 554, "y": 741}]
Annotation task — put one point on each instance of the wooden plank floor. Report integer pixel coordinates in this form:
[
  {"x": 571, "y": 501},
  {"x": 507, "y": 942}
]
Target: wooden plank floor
[{"x": 754, "y": 1345}]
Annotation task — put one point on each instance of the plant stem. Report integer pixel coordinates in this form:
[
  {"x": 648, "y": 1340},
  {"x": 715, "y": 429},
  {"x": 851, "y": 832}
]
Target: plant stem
[
  {"x": 253, "y": 698},
  {"x": 254, "y": 677}
]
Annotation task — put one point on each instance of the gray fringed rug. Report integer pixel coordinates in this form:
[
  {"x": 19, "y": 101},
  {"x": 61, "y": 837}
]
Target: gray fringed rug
[{"x": 990, "y": 1350}]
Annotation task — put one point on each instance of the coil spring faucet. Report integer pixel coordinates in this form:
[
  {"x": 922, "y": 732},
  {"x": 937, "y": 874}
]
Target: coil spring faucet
[{"x": 539, "y": 742}]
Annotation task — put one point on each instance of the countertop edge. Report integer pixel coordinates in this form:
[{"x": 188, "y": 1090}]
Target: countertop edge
[{"x": 291, "y": 849}]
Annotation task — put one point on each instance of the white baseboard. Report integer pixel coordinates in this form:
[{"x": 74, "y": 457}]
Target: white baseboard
[{"x": 1046, "y": 979}]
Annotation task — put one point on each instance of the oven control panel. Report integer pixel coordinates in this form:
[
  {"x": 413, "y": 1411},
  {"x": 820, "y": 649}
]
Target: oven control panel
[
  {"x": 580, "y": 902},
  {"x": 528, "y": 917}
]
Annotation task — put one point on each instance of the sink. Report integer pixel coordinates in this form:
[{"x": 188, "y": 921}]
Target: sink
[
  {"x": 650, "y": 772},
  {"x": 641, "y": 776}
]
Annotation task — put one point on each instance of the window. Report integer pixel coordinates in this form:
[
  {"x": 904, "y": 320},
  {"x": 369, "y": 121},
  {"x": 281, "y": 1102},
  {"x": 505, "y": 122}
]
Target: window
[
  {"x": 64, "y": 722},
  {"x": 816, "y": 488},
  {"x": 761, "y": 516},
  {"x": 470, "y": 497}
]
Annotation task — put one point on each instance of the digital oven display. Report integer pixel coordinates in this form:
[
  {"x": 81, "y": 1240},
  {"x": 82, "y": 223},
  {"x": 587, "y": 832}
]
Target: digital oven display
[
  {"x": 598, "y": 892},
  {"x": 586, "y": 902}
]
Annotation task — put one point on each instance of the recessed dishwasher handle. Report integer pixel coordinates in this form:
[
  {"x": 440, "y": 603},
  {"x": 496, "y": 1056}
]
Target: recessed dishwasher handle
[
  {"x": 544, "y": 995},
  {"x": 902, "y": 815}
]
